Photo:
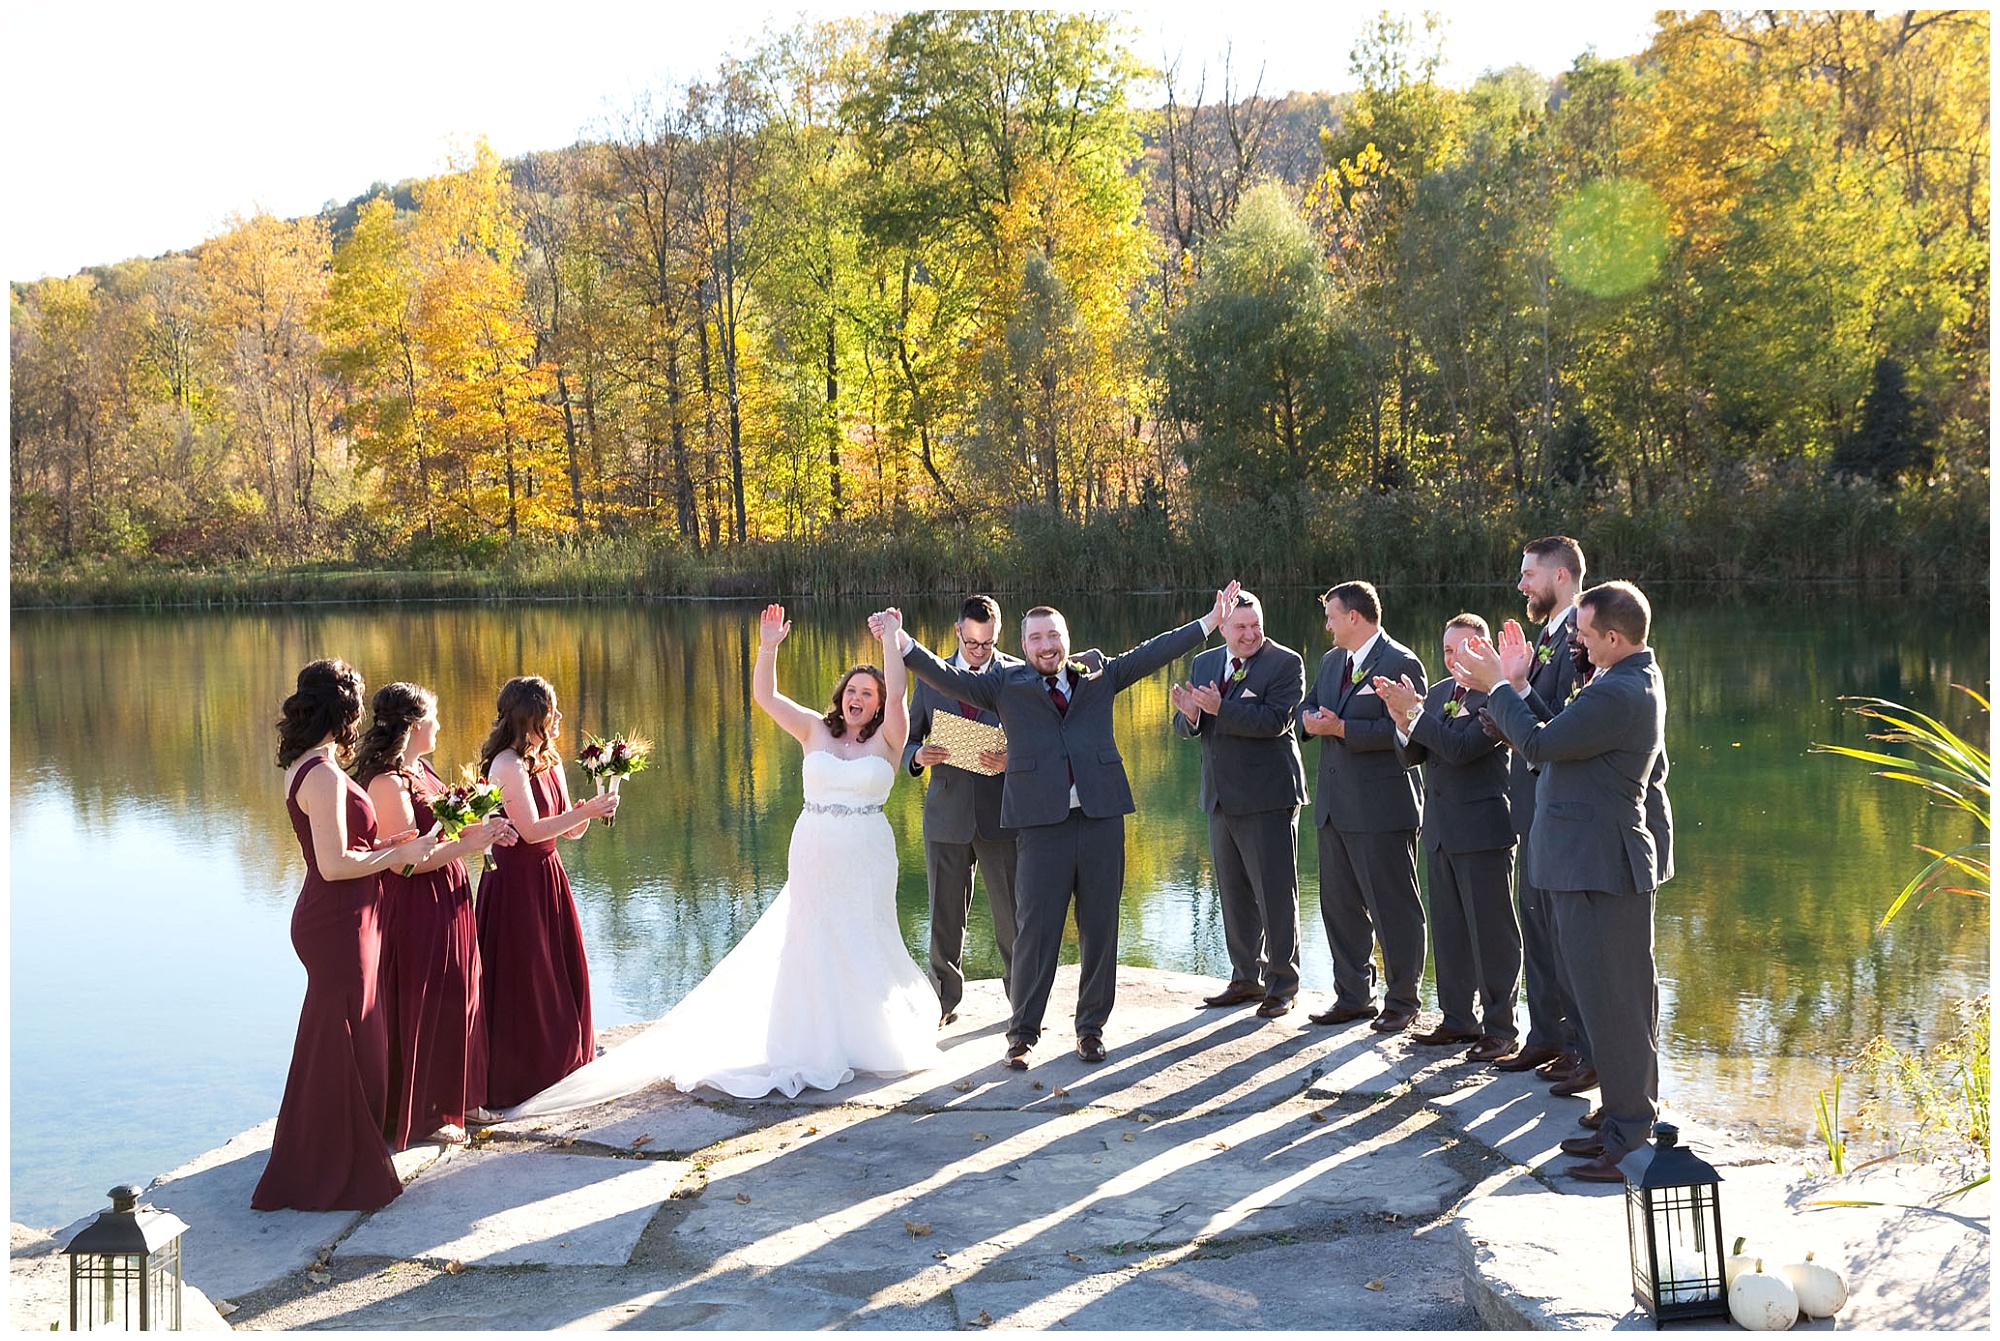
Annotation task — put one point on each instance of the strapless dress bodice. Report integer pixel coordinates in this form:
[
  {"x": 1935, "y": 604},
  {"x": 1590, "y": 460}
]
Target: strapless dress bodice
[{"x": 831, "y": 781}]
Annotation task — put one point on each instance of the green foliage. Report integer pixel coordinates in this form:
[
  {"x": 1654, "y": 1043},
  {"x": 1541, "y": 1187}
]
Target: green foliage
[{"x": 1893, "y": 440}]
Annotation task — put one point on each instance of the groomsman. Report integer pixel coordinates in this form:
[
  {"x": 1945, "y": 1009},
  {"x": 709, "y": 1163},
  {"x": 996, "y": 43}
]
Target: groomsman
[
  {"x": 1602, "y": 846},
  {"x": 1368, "y": 804},
  {"x": 1067, "y": 795},
  {"x": 962, "y": 826},
  {"x": 1552, "y": 570},
  {"x": 1239, "y": 702},
  {"x": 1468, "y": 842}
]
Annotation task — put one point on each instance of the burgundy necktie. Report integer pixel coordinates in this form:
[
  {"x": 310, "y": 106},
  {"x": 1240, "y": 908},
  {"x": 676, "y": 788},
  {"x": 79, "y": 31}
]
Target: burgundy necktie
[
  {"x": 1458, "y": 694},
  {"x": 1057, "y": 696},
  {"x": 1235, "y": 665},
  {"x": 1548, "y": 634},
  {"x": 967, "y": 709}
]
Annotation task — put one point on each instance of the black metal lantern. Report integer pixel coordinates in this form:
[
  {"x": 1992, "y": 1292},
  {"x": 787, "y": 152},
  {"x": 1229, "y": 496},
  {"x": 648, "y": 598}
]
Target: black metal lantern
[
  {"x": 1673, "y": 1216},
  {"x": 125, "y": 1268}
]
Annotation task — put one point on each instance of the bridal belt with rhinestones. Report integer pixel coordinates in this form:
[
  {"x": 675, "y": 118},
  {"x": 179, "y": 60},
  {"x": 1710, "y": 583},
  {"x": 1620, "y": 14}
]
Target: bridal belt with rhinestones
[{"x": 819, "y": 808}]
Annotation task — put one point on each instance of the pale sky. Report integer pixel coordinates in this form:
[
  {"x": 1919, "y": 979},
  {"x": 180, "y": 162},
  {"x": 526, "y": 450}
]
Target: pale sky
[{"x": 135, "y": 129}]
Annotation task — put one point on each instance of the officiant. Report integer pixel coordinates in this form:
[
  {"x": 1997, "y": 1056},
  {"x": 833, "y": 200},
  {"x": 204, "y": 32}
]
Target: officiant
[{"x": 962, "y": 828}]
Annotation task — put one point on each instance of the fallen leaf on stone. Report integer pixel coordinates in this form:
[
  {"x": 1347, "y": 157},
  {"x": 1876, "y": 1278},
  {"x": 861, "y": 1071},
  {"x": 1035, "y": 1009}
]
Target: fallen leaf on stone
[
  {"x": 1376, "y": 1284},
  {"x": 984, "y": 1319},
  {"x": 1060, "y": 1092},
  {"x": 982, "y": 1136},
  {"x": 1128, "y": 1136},
  {"x": 742, "y": 1198},
  {"x": 224, "y": 1307},
  {"x": 811, "y": 1131},
  {"x": 638, "y": 1141},
  {"x": 1318, "y": 1116},
  {"x": 1141, "y": 1117},
  {"x": 454, "y": 1267},
  {"x": 318, "y": 1277},
  {"x": 962, "y": 1086},
  {"x": 1074, "y": 1257},
  {"x": 1222, "y": 1145},
  {"x": 941, "y": 1254},
  {"x": 1035, "y": 1085},
  {"x": 916, "y": 1230}
]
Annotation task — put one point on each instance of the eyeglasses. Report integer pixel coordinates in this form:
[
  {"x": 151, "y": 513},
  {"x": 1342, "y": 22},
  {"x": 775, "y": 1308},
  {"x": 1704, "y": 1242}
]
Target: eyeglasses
[{"x": 977, "y": 646}]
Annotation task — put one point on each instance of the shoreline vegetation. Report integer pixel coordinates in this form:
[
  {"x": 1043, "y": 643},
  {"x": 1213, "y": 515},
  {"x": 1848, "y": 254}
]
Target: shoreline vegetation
[
  {"x": 1825, "y": 534},
  {"x": 976, "y": 299}
]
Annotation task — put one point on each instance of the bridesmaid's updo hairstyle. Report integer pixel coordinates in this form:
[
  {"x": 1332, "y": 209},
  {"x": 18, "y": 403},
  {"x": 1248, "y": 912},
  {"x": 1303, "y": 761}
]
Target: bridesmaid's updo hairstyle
[
  {"x": 836, "y": 720},
  {"x": 527, "y": 705},
  {"x": 327, "y": 702},
  {"x": 398, "y": 707}
]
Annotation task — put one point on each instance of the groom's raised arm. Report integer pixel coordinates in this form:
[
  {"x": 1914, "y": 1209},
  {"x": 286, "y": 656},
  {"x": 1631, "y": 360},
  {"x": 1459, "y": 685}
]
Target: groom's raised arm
[{"x": 972, "y": 686}]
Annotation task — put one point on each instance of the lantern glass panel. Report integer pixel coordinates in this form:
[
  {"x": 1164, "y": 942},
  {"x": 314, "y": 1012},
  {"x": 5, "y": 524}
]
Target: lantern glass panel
[
  {"x": 105, "y": 1291},
  {"x": 1678, "y": 1271}
]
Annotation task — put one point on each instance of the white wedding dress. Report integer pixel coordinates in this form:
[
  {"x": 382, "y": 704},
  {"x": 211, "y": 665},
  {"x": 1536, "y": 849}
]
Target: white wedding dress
[{"x": 820, "y": 988}]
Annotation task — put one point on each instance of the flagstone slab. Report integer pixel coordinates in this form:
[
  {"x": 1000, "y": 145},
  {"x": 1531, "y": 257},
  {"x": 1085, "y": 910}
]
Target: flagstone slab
[
  {"x": 522, "y": 1208},
  {"x": 229, "y": 1249}
]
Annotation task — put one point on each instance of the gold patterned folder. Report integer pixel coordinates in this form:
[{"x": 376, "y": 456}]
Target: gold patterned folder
[{"x": 965, "y": 738}]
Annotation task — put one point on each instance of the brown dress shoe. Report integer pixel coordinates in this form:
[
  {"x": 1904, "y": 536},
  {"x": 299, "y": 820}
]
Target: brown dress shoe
[
  {"x": 1527, "y": 1059},
  {"x": 1560, "y": 1068},
  {"x": 1599, "y": 1170},
  {"x": 1393, "y": 1020},
  {"x": 1583, "y": 1147},
  {"x": 1274, "y": 1006},
  {"x": 1090, "y": 1047},
  {"x": 1017, "y": 1056},
  {"x": 1593, "y": 1119},
  {"x": 1583, "y": 1079},
  {"x": 1235, "y": 995},
  {"x": 1338, "y": 1014},
  {"x": 1491, "y": 1048},
  {"x": 949, "y": 1017},
  {"x": 1443, "y": 1037}
]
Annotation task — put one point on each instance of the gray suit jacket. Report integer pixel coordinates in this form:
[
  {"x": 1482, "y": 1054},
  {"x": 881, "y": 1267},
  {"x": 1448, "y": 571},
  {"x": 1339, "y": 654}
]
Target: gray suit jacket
[
  {"x": 1599, "y": 761},
  {"x": 959, "y": 805},
  {"x": 1249, "y": 757},
  {"x": 1044, "y": 747},
  {"x": 1465, "y": 775},
  {"x": 1549, "y": 685},
  {"x": 1363, "y": 787}
]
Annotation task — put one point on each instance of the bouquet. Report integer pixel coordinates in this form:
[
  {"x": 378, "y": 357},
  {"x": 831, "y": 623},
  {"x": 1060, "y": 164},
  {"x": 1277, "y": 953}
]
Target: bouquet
[
  {"x": 610, "y": 762},
  {"x": 462, "y": 805}
]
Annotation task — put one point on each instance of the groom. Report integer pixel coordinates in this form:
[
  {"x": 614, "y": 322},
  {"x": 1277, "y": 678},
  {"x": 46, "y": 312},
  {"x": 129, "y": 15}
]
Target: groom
[{"x": 1067, "y": 795}]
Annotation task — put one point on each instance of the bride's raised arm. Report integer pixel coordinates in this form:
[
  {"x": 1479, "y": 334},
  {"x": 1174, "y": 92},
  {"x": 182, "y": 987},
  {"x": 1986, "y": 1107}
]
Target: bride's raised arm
[
  {"x": 896, "y": 712},
  {"x": 797, "y": 719}
]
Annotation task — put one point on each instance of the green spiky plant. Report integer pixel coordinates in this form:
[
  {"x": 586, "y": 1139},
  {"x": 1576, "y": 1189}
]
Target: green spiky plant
[{"x": 1951, "y": 1089}]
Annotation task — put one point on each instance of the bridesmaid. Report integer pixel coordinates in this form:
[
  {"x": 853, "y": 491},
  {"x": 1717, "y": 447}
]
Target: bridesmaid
[
  {"x": 328, "y": 1153},
  {"x": 430, "y": 945},
  {"x": 536, "y": 987}
]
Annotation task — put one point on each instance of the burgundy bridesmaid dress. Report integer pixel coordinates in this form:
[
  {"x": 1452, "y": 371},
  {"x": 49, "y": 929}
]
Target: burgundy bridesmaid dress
[
  {"x": 430, "y": 980},
  {"x": 535, "y": 986},
  {"x": 328, "y": 1153}
]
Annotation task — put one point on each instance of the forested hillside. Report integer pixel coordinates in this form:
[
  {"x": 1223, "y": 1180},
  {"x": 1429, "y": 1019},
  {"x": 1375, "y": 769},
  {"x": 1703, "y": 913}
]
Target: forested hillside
[{"x": 958, "y": 286}]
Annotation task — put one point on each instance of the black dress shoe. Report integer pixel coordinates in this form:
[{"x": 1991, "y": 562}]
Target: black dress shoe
[
  {"x": 1441, "y": 1037},
  {"x": 1274, "y": 1006},
  {"x": 1017, "y": 1056},
  {"x": 1090, "y": 1047},
  {"x": 1338, "y": 1014},
  {"x": 1583, "y": 1147},
  {"x": 1235, "y": 995},
  {"x": 1393, "y": 1021},
  {"x": 1527, "y": 1059}
]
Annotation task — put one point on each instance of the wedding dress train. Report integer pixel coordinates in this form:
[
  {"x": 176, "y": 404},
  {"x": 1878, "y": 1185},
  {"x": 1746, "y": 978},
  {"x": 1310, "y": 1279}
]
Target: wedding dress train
[{"x": 822, "y": 986}]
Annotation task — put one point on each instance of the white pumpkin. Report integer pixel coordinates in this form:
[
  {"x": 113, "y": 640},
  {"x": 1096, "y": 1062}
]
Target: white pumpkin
[
  {"x": 1820, "y": 1289},
  {"x": 1761, "y": 1302},
  {"x": 1736, "y": 1263}
]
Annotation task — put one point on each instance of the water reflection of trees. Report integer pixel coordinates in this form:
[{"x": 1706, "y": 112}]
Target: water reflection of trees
[{"x": 1768, "y": 932}]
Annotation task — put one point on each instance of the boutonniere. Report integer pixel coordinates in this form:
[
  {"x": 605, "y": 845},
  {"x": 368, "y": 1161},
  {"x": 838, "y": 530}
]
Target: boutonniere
[
  {"x": 1543, "y": 653},
  {"x": 1239, "y": 672},
  {"x": 1451, "y": 707},
  {"x": 1355, "y": 676},
  {"x": 1078, "y": 671}
]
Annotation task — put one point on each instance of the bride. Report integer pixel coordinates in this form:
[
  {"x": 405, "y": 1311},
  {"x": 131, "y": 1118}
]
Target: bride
[{"x": 822, "y": 986}]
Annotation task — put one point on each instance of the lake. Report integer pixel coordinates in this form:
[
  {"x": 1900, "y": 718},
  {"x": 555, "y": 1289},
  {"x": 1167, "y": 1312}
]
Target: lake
[{"x": 154, "y": 991}]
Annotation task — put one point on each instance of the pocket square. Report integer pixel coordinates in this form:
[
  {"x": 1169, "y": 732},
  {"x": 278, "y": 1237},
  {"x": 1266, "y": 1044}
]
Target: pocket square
[
  {"x": 1249, "y": 693},
  {"x": 1364, "y": 691}
]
